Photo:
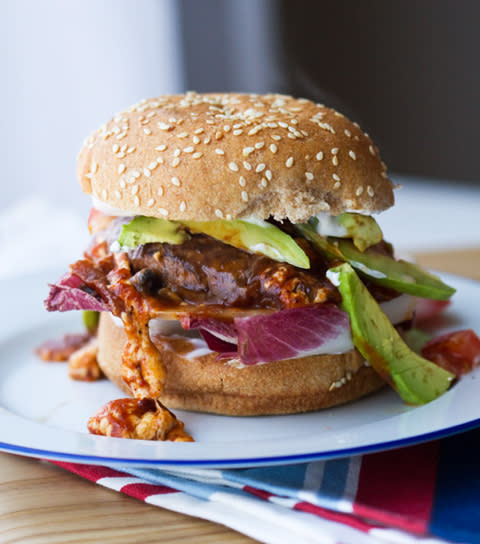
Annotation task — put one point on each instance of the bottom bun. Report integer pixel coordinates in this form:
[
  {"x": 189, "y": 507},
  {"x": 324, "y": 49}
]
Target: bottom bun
[{"x": 203, "y": 384}]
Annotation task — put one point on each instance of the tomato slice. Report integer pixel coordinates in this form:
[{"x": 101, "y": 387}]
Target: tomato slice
[
  {"x": 427, "y": 309},
  {"x": 457, "y": 352},
  {"x": 98, "y": 221}
]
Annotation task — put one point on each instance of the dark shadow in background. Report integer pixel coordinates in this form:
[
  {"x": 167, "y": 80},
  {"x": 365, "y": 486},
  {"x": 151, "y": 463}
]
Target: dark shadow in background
[{"x": 407, "y": 71}]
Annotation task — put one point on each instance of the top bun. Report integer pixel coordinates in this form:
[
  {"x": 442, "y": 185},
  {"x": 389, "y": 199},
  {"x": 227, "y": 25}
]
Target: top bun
[{"x": 209, "y": 156}]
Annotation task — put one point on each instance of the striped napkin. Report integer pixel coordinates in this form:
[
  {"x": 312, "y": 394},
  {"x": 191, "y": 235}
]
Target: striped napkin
[{"x": 426, "y": 493}]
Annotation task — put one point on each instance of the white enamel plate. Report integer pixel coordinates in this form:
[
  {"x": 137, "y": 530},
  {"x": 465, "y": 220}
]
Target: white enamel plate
[{"x": 43, "y": 413}]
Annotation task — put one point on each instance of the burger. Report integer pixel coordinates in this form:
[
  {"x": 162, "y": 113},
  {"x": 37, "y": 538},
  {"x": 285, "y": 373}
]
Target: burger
[{"x": 236, "y": 265}]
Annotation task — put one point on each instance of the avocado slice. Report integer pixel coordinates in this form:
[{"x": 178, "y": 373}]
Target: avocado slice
[
  {"x": 400, "y": 275},
  {"x": 417, "y": 380},
  {"x": 90, "y": 320},
  {"x": 362, "y": 229},
  {"x": 145, "y": 230},
  {"x": 259, "y": 237}
]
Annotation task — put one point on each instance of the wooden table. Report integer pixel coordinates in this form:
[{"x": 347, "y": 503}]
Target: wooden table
[{"x": 43, "y": 504}]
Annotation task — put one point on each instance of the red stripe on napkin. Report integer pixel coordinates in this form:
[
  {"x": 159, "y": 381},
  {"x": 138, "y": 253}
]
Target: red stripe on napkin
[
  {"x": 397, "y": 487},
  {"x": 95, "y": 473},
  {"x": 331, "y": 515},
  {"x": 142, "y": 491},
  {"x": 91, "y": 472}
]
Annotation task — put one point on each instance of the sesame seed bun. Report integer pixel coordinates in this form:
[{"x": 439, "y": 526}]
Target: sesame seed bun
[
  {"x": 284, "y": 387},
  {"x": 209, "y": 156}
]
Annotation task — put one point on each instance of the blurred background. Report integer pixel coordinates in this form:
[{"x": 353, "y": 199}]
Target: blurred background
[{"x": 408, "y": 72}]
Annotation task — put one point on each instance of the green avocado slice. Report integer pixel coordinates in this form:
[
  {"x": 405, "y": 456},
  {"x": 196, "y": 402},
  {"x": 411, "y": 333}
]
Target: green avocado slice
[
  {"x": 362, "y": 229},
  {"x": 90, "y": 320},
  {"x": 146, "y": 230},
  {"x": 399, "y": 275},
  {"x": 417, "y": 380},
  {"x": 259, "y": 237}
]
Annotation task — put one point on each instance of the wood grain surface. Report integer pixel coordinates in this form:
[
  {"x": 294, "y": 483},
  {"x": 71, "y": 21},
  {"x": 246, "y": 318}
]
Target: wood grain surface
[{"x": 43, "y": 504}]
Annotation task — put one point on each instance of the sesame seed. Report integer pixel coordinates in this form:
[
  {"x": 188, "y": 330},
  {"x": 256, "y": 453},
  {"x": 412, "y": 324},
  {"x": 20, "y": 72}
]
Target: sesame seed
[
  {"x": 122, "y": 183},
  {"x": 207, "y": 140},
  {"x": 219, "y": 151},
  {"x": 117, "y": 194},
  {"x": 175, "y": 182},
  {"x": 131, "y": 150},
  {"x": 335, "y": 177},
  {"x": 183, "y": 206},
  {"x": 233, "y": 166},
  {"x": 182, "y": 135},
  {"x": 150, "y": 203},
  {"x": 245, "y": 196},
  {"x": 336, "y": 185},
  {"x": 121, "y": 168},
  {"x": 289, "y": 162},
  {"x": 352, "y": 155},
  {"x": 259, "y": 145},
  {"x": 226, "y": 128},
  {"x": 134, "y": 189},
  {"x": 163, "y": 211},
  {"x": 175, "y": 162},
  {"x": 147, "y": 172},
  {"x": 161, "y": 147},
  {"x": 254, "y": 130},
  {"x": 359, "y": 191},
  {"x": 136, "y": 201},
  {"x": 319, "y": 156},
  {"x": 189, "y": 149},
  {"x": 242, "y": 181},
  {"x": 197, "y": 155},
  {"x": 371, "y": 149},
  {"x": 260, "y": 168},
  {"x": 196, "y": 140},
  {"x": 115, "y": 148},
  {"x": 198, "y": 131},
  {"x": 335, "y": 160},
  {"x": 273, "y": 148},
  {"x": 153, "y": 165},
  {"x": 219, "y": 213},
  {"x": 160, "y": 191},
  {"x": 264, "y": 182},
  {"x": 370, "y": 190},
  {"x": 347, "y": 133},
  {"x": 237, "y": 132},
  {"x": 218, "y": 135},
  {"x": 176, "y": 153},
  {"x": 164, "y": 126},
  {"x": 282, "y": 124},
  {"x": 147, "y": 131},
  {"x": 247, "y": 165},
  {"x": 160, "y": 160},
  {"x": 247, "y": 150},
  {"x": 334, "y": 150},
  {"x": 309, "y": 176},
  {"x": 94, "y": 168},
  {"x": 276, "y": 137}
]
